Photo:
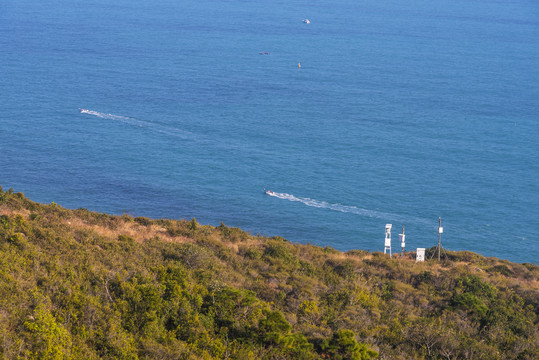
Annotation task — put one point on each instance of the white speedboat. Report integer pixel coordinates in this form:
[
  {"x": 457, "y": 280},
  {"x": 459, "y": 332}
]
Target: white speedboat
[{"x": 306, "y": 21}]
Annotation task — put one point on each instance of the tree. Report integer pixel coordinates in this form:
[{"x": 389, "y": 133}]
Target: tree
[
  {"x": 47, "y": 338},
  {"x": 344, "y": 346}
]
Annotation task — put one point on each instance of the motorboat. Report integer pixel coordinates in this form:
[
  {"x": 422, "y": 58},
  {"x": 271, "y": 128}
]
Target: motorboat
[{"x": 306, "y": 21}]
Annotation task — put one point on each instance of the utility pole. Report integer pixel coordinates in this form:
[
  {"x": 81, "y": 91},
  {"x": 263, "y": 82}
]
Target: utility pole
[
  {"x": 401, "y": 238},
  {"x": 440, "y": 231}
]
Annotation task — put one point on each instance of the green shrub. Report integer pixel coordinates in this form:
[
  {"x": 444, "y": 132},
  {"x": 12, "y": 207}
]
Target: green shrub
[
  {"x": 20, "y": 240},
  {"x": 126, "y": 239},
  {"x": 232, "y": 234},
  {"x": 501, "y": 269},
  {"x": 47, "y": 339},
  {"x": 343, "y": 345},
  {"x": 193, "y": 225},
  {"x": 144, "y": 221},
  {"x": 273, "y": 327},
  {"x": 253, "y": 253},
  {"x": 279, "y": 249}
]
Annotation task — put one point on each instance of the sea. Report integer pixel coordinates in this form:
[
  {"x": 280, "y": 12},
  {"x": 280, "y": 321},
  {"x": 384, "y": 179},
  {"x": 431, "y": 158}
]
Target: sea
[{"x": 408, "y": 113}]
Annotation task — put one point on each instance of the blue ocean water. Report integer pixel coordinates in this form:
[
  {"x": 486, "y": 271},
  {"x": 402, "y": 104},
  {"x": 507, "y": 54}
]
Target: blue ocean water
[{"x": 401, "y": 112}]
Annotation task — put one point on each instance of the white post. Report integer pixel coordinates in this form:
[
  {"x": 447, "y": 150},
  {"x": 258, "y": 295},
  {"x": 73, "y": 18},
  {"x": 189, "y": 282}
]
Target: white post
[
  {"x": 440, "y": 232},
  {"x": 401, "y": 238}
]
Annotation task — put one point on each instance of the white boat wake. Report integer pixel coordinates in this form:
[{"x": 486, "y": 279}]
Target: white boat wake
[
  {"x": 140, "y": 123},
  {"x": 346, "y": 208},
  {"x": 103, "y": 115}
]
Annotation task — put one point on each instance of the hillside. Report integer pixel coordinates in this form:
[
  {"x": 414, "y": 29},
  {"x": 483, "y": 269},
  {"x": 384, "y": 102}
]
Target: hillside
[{"x": 79, "y": 284}]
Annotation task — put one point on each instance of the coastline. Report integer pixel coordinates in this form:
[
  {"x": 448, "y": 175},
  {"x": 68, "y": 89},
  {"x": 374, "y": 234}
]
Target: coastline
[{"x": 108, "y": 285}]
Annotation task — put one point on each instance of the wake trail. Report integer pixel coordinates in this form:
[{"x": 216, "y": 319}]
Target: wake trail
[
  {"x": 347, "y": 208},
  {"x": 141, "y": 123},
  {"x": 453, "y": 230},
  {"x": 103, "y": 115}
]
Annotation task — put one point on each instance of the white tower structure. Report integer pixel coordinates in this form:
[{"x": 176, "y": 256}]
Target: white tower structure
[
  {"x": 388, "y": 239},
  {"x": 401, "y": 239}
]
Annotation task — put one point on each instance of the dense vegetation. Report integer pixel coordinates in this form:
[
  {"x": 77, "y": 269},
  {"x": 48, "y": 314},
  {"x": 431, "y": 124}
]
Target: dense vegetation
[{"x": 79, "y": 284}]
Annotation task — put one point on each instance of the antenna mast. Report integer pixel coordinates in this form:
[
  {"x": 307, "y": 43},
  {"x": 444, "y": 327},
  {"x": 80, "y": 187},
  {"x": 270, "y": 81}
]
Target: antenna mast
[
  {"x": 401, "y": 238},
  {"x": 439, "y": 248},
  {"x": 440, "y": 231}
]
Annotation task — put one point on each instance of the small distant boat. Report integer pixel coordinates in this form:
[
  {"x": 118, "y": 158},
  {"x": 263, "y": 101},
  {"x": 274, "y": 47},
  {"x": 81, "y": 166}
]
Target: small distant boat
[
  {"x": 268, "y": 192},
  {"x": 264, "y": 53},
  {"x": 306, "y": 21},
  {"x": 299, "y": 65}
]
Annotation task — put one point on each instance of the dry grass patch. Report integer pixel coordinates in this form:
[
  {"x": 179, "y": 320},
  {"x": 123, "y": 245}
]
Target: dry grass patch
[
  {"x": 137, "y": 232},
  {"x": 5, "y": 210}
]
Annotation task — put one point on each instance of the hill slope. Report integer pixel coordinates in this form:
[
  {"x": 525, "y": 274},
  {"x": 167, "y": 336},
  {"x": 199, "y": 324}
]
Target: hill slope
[{"x": 75, "y": 283}]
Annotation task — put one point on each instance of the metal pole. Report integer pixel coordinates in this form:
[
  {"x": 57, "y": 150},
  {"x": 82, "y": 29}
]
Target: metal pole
[
  {"x": 402, "y": 250},
  {"x": 439, "y": 237}
]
